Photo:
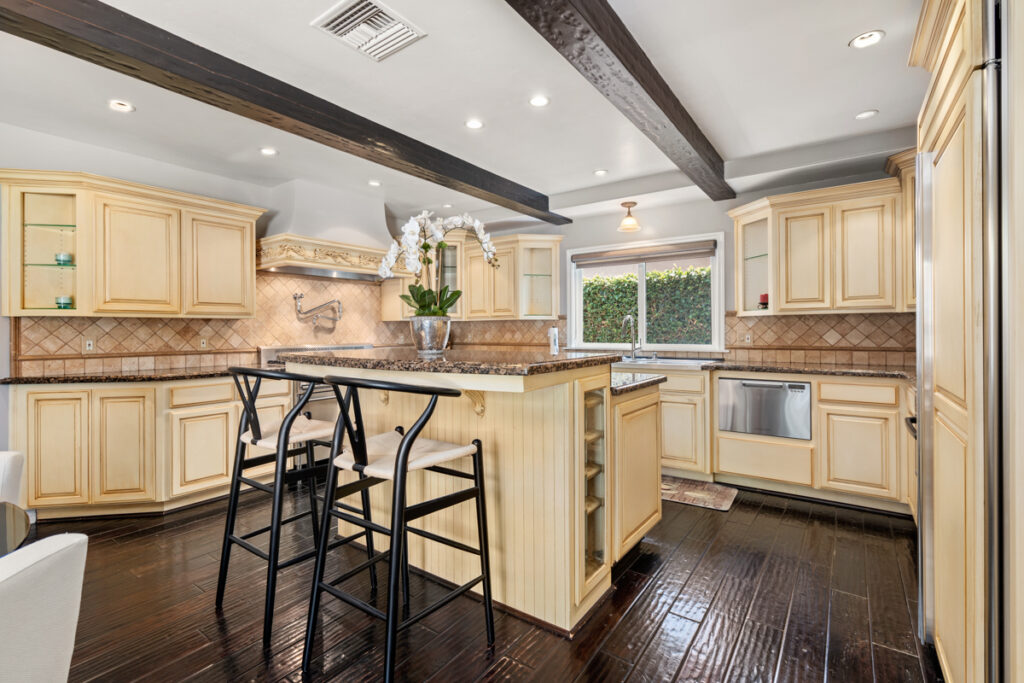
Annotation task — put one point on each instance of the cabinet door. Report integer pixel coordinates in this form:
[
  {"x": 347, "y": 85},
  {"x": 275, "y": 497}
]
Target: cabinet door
[
  {"x": 202, "y": 447},
  {"x": 219, "y": 265},
  {"x": 478, "y": 287},
  {"x": 805, "y": 259},
  {"x": 859, "y": 450},
  {"x": 637, "y": 471},
  {"x": 682, "y": 432},
  {"x": 269, "y": 410},
  {"x": 907, "y": 234},
  {"x": 137, "y": 259},
  {"x": 123, "y": 445},
  {"x": 57, "y": 447},
  {"x": 865, "y": 254},
  {"x": 503, "y": 288},
  {"x": 451, "y": 275}
]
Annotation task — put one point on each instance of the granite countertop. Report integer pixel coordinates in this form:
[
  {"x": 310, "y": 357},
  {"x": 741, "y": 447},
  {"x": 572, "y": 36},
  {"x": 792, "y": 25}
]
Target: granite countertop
[
  {"x": 906, "y": 373},
  {"x": 492, "y": 361},
  {"x": 625, "y": 382},
  {"x": 124, "y": 376}
]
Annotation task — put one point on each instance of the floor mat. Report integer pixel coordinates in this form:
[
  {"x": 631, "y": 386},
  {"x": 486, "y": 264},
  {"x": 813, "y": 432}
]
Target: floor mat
[{"x": 703, "y": 494}]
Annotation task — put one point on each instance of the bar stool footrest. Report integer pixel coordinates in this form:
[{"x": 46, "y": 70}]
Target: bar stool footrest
[
  {"x": 441, "y": 539},
  {"x": 427, "y": 611}
]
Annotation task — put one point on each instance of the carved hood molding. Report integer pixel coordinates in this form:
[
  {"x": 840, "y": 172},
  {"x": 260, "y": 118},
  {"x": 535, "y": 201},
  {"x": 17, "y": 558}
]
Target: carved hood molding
[{"x": 288, "y": 253}]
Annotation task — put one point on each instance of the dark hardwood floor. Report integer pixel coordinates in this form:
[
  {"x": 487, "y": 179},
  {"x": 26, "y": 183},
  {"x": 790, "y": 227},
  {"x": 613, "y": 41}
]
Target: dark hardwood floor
[{"x": 774, "y": 590}]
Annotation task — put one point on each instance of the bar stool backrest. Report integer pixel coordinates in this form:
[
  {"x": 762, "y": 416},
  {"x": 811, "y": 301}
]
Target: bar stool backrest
[
  {"x": 248, "y": 393},
  {"x": 353, "y": 425}
]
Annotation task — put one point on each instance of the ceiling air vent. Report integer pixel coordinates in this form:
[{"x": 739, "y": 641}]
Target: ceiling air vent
[{"x": 369, "y": 27}]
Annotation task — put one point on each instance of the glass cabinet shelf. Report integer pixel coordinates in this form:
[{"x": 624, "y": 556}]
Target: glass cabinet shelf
[
  {"x": 49, "y": 308},
  {"x": 536, "y": 274},
  {"x": 751, "y": 258},
  {"x": 592, "y": 503},
  {"x": 50, "y": 265},
  {"x": 62, "y": 226}
]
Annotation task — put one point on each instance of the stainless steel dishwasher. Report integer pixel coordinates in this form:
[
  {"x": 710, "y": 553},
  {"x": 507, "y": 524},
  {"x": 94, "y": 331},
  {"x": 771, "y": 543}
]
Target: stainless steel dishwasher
[{"x": 753, "y": 406}]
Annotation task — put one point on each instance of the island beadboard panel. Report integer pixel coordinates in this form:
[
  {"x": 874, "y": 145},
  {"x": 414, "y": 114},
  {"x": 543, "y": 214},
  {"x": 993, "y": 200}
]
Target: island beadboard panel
[
  {"x": 56, "y": 346},
  {"x": 527, "y": 484}
]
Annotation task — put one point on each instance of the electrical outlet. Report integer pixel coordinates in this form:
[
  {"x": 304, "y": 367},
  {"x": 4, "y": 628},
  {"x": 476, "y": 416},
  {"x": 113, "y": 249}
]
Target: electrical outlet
[
  {"x": 89, "y": 345},
  {"x": 202, "y": 343},
  {"x": 747, "y": 339}
]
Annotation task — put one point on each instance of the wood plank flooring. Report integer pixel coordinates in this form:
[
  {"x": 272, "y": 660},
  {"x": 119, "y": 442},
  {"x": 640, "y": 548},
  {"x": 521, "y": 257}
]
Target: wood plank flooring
[{"x": 776, "y": 589}]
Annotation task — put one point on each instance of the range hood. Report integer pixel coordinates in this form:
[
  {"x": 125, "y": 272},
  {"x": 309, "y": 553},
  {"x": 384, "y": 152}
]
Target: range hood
[{"x": 289, "y": 253}]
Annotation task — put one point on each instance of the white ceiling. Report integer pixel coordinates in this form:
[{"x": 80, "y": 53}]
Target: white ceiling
[{"x": 758, "y": 77}]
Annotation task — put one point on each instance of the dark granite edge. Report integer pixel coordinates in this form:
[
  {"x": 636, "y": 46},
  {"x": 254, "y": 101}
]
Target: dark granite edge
[
  {"x": 647, "y": 381},
  {"x": 141, "y": 376},
  {"x": 453, "y": 367},
  {"x": 836, "y": 370}
]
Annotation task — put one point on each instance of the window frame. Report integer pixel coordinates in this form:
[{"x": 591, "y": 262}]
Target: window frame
[{"x": 575, "y": 297}]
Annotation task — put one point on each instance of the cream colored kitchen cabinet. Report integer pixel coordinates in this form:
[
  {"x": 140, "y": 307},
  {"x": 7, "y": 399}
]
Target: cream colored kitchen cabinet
[
  {"x": 392, "y": 308},
  {"x": 821, "y": 251},
  {"x": 123, "y": 459},
  {"x": 56, "y": 443},
  {"x": 683, "y": 428},
  {"x": 218, "y": 265},
  {"x": 132, "y": 250},
  {"x": 89, "y": 446},
  {"x": 41, "y": 221},
  {"x": 860, "y": 450},
  {"x": 202, "y": 447},
  {"x": 592, "y": 516},
  {"x": 910, "y": 451},
  {"x": 492, "y": 291},
  {"x": 637, "y": 467},
  {"x": 787, "y": 461},
  {"x": 479, "y": 282},
  {"x": 865, "y": 251},
  {"x": 902, "y": 166},
  {"x": 805, "y": 259},
  {"x": 138, "y": 265},
  {"x": 537, "y": 273}
]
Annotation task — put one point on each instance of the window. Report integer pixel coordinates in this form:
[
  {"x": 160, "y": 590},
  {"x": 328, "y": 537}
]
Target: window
[{"x": 672, "y": 288}]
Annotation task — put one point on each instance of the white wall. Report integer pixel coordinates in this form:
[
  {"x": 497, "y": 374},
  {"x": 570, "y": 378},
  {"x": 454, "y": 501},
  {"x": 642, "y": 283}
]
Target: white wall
[{"x": 671, "y": 220}]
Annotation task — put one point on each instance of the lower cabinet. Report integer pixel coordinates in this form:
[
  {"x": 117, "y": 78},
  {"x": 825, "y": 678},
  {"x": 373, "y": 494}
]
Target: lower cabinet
[
  {"x": 683, "y": 429},
  {"x": 637, "y": 470},
  {"x": 202, "y": 447},
  {"x": 788, "y": 461},
  {"x": 860, "y": 450},
  {"x": 90, "y": 446},
  {"x": 123, "y": 445},
  {"x": 57, "y": 447}
]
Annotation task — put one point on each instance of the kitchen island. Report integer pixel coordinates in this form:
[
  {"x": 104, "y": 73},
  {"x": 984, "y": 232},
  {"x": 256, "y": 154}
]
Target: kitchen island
[{"x": 550, "y": 464}]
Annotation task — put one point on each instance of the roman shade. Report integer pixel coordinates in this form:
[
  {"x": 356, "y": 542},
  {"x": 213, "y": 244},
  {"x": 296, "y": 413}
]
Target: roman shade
[{"x": 660, "y": 252}]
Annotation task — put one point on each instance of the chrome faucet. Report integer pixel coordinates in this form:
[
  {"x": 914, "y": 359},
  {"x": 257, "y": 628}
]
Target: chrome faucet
[{"x": 632, "y": 334}]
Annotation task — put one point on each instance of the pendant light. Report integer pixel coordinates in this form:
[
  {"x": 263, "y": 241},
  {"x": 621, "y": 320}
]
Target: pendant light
[{"x": 629, "y": 223}]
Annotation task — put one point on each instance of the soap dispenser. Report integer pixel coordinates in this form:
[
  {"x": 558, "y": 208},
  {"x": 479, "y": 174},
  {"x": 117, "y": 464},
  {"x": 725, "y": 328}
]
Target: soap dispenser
[{"x": 553, "y": 340}]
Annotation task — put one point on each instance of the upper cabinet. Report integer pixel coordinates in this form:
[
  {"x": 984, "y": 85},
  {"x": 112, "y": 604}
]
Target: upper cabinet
[
  {"x": 821, "y": 251},
  {"x": 523, "y": 286},
  {"x": 902, "y": 166},
  {"x": 78, "y": 244}
]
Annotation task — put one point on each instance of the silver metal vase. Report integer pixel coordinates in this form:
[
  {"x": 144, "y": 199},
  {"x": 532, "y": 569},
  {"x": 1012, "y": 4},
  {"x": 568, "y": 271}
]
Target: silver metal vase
[{"x": 430, "y": 334}]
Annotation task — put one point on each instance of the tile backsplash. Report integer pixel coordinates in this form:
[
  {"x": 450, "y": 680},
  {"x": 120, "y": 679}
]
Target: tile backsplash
[{"x": 56, "y": 346}]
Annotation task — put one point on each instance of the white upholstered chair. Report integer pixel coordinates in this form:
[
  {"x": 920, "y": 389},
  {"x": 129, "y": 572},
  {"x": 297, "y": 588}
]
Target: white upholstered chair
[
  {"x": 12, "y": 473},
  {"x": 40, "y": 593}
]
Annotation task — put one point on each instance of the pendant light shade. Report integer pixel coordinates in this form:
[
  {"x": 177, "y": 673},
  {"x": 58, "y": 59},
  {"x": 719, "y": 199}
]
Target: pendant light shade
[{"x": 629, "y": 223}]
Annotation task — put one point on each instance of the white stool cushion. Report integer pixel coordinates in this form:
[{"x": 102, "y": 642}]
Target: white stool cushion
[
  {"x": 382, "y": 451},
  {"x": 12, "y": 466},
  {"x": 303, "y": 429}
]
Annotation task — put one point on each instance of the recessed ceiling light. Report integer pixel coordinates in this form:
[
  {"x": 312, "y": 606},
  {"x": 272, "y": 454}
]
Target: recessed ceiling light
[
  {"x": 446, "y": 206},
  {"x": 866, "y": 114},
  {"x": 121, "y": 106},
  {"x": 268, "y": 151},
  {"x": 373, "y": 183},
  {"x": 867, "y": 39},
  {"x": 539, "y": 101},
  {"x": 474, "y": 124},
  {"x": 600, "y": 172}
]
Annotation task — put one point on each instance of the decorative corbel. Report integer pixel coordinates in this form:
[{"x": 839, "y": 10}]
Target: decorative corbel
[{"x": 477, "y": 397}]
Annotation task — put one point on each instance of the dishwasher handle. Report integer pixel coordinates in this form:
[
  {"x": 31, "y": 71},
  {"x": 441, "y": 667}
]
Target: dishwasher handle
[{"x": 762, "y": 384}]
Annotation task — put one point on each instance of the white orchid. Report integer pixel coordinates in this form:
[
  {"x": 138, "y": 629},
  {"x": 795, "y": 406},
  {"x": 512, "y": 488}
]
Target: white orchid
[{"x": 423, "y": 234}]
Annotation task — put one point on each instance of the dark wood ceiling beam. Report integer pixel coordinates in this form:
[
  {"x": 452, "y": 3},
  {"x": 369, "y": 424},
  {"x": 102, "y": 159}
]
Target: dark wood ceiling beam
[
  {"x": 106, "y": 36},
  {"x": 592, "y": 37}
]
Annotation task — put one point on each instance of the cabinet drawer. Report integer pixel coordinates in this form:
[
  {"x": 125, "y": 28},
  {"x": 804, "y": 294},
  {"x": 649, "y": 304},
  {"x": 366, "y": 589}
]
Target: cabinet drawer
[
  {"x": 274, "y": 387},
  {"x": 881, "y": 394},
  {"x": 198, "y": 394},
  {"x": 691, "y": 383},
  {"x": 776, "y": 460}
]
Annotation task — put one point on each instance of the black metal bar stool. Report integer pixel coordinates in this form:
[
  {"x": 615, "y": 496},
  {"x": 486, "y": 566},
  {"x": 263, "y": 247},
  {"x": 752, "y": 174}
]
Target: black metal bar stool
[
  {"x": 295, "y": 435},
  {"x": 390, "y": 456}
]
